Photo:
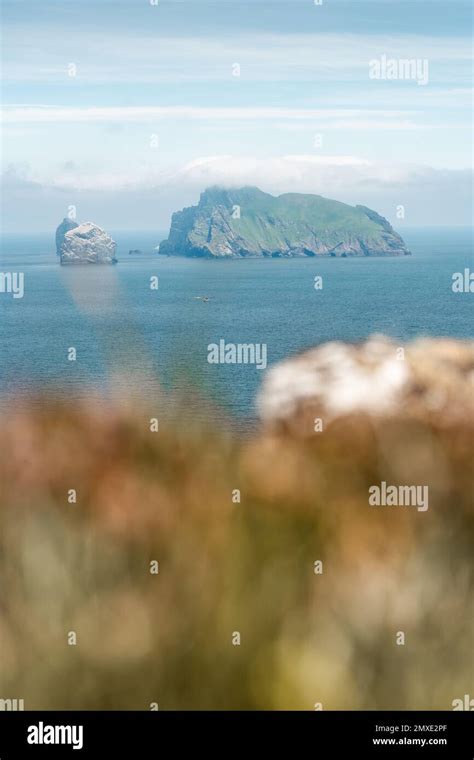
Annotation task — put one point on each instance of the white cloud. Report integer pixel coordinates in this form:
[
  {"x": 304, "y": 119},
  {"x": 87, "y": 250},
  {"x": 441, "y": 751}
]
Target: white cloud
[
  {"x": 147, "y": 199},
  {"x": 263, "y": 57},
  {"x": 56, "y": 114},
  {"x": 299, "y": 173},
  {"x": 327, "y": 175}
]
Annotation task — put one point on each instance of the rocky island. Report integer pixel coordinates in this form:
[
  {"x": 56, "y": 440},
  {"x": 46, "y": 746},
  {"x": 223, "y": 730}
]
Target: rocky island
[
  {"x": 244, "y": 222},
  {"x": 84, "y": 243}
]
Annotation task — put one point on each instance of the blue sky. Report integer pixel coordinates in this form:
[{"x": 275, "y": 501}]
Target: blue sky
[{"x": 155, "y": 112}]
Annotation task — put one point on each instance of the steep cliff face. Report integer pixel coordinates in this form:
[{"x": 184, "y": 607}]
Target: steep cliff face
[
  {"x": 249, "y": 222},
  {"x": 87, "y": 244},
  {"x": 65, "y": 226}
]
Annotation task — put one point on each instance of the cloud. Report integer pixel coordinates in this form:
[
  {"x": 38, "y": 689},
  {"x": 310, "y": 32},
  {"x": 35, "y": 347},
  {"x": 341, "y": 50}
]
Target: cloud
[
  {"x": 146, "y": 201},
  {"x": 56, "y": 114},
  {"x": 279, "y": 174},
  {"x": 31, "y": 55},
  {"x": 299, "y": 173},
  {"x": 306, "y": 173}
]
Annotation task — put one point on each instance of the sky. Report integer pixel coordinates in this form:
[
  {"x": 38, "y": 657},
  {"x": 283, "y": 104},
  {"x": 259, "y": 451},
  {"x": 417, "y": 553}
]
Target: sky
[{"x": 128, "y": 109}]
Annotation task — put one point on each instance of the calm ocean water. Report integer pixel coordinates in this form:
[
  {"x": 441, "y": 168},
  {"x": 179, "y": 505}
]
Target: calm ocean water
[{"x": 128, "y": 337}]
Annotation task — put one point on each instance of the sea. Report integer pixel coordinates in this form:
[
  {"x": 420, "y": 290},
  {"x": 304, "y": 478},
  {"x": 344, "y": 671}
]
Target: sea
[{"x": 141, "y": 329}]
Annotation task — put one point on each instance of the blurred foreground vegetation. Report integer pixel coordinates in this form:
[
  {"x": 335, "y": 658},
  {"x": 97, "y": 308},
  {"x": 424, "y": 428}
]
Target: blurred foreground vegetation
[{"x": 227, "y": 567}]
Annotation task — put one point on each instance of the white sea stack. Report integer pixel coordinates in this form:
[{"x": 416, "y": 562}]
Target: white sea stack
[{"x": 87, "y": 244}]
